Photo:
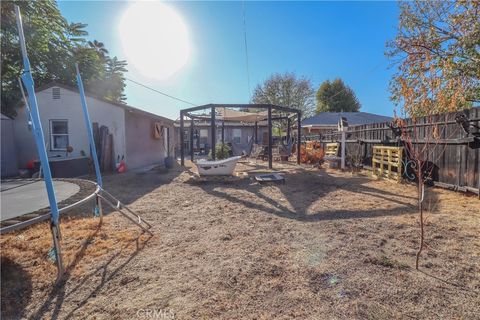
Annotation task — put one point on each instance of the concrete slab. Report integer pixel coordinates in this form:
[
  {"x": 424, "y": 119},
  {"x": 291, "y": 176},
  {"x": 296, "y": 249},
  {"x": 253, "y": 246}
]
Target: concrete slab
[{"x": 22, "y": 197}]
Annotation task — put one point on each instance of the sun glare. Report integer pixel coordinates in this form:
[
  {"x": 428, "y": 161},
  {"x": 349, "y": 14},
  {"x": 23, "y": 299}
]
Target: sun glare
[{"x": 155, "y": 39}]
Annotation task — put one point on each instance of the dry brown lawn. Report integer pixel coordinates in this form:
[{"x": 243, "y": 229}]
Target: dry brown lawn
[{"x": 324, "y": 245}]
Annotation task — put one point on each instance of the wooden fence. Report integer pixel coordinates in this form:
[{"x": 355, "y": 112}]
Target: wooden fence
[{"x": 453, "y": 152}]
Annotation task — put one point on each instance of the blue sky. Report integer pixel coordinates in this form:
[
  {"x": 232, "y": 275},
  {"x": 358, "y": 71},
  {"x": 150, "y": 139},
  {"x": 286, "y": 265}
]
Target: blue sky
[{"x": 318, "y": 40}]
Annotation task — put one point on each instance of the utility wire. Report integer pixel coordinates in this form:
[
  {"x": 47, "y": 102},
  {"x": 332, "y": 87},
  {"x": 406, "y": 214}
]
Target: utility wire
[
  {"x": 246, "y": 48},
  {"x": 162, "y": 93}
]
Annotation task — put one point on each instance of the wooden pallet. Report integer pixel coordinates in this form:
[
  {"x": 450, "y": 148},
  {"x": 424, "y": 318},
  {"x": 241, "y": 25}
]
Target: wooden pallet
[
  {"x": 331, "y": 149},
  {"x": 387, "y": 162}
]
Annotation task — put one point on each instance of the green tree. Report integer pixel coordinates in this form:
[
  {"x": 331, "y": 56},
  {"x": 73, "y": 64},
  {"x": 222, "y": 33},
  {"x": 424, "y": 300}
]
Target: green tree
[
  {"x": 115, "y": 79},
  {"x": 336, "y": 96},
  {"x": 437, "y": 55},
  {"x": 44, "y": 32},
  {"x": 75, "y": 32},
  {"x": 286, "y": 90},
  {"x": 99, "y": 47},
  {"x": 54, "y": 46}
]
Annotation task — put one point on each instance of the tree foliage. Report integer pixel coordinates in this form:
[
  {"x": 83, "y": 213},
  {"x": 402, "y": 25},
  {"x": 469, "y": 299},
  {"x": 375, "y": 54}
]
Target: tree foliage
[
  {"x": 437, "y": 53},
  {"x": 286, "y": 90},
  {"x": 336, "y": 96},
  {"x": 54, "y": 46}
]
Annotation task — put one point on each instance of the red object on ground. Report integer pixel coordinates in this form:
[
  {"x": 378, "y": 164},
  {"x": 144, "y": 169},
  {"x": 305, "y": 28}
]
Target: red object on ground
[
  {"x": 122, "y": 167},
  {"x": 31, "y": 164}
]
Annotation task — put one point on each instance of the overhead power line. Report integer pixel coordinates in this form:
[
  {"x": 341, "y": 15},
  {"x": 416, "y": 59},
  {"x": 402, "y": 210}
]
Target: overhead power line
[
  {"x": 246, "y": 47},
  {"x": 162, "y": 93}
]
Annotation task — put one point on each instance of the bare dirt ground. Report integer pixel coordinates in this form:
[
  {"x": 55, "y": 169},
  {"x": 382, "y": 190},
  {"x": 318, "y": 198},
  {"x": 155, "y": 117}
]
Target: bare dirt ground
[{"x": 324, "y": 245}]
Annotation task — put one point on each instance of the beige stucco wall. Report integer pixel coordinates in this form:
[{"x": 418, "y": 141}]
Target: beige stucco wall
[
  {"x": 142, "y": 148},
  {"x": 68, "y": 107}
]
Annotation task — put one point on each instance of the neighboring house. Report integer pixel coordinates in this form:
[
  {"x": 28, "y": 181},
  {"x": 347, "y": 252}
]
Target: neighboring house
[
  {"x": 237, "y": 133},
  {"x": 326, "y": 121},
  {"x": 138, "y": 136},
  {"x": 8, "y": 162}
]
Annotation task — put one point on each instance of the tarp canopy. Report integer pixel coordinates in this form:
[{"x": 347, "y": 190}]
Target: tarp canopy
[
  {"x": 236, "y": 115},
  {"x": 228, "y": 114}
]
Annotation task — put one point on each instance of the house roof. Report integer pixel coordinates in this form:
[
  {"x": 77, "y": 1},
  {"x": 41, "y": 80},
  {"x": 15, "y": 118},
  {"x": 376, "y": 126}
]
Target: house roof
[
  {"x": 91, "y": 95},
  {"x": 353, "y": 118}
]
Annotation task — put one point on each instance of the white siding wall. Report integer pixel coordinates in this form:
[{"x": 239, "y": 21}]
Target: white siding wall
[{"x": 69, "y": 107}]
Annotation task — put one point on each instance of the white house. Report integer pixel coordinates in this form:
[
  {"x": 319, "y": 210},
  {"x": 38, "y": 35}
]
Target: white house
[{"x": 140, "y": 137}]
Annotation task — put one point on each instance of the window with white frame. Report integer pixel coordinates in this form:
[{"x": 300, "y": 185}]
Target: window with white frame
[
  {"x": 58, "y": 135},
  {"x": 237, "y": 135}
]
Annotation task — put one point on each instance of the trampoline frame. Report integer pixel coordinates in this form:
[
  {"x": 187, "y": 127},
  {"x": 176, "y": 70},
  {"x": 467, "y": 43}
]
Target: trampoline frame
[
  {"x": 98, "y": 194},
  {"x": 46, "y": 216}
]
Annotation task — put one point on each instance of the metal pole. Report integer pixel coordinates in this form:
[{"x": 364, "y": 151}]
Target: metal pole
[
  {"x": 182, "y": 151},
  {"x": 191, "y": 140},
  {"x": 288, "y": 130},
  {"x": 223, "y": 133},
  {"x": 212, "y": 124},
  {"x": 93, "y": 150},
  {"x": 168, "y": 142},
  {"x": 256, "y": 132},
  {"x": 40, "y": 142},
  {"x": 27, "y": 108},
  {"x": 343, "y": 151},
  {"x": 270, "y": 137},
  {"x": 86, "y": 117},
  {"x": 299, "y": 135}
]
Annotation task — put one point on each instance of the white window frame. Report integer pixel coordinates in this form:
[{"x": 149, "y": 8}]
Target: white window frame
[{"x": 52, "y": 145}]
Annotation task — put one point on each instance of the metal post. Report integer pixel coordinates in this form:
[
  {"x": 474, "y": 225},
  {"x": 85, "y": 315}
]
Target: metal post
[
  {"x": 299, "y": 135},
  {"x": 270, "y": 137},
  {"x": 213, "y": 131},
  {"x": 191, "y": 140},
  {"x": 40, "y": 142},
  {"x": 98, "y": 207},
  {"x": 288, "y": 130},
  {"x": 88, "y": 124},
  {"x": 343, "y": 151},
  {"x": 182, "y": 151},
  {"x": 168, "y": 142},
  {"x": 256, "y": 132},
  {"x": 223, "y": 133},
  {"x": 93, "y": 150}
]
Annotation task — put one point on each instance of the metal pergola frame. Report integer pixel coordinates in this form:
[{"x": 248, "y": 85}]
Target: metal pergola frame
[{"x": 186, "y": 113}]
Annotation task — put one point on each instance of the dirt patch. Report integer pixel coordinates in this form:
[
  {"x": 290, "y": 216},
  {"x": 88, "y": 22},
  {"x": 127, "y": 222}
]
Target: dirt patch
[{"x": 324, "y": 245}]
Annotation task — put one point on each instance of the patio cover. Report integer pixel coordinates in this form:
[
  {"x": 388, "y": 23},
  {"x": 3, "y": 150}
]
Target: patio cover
[{"x": 236, "y": 115}]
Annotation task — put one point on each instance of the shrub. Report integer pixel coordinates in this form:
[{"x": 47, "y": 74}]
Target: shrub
[{"x": 222, "y": 151}]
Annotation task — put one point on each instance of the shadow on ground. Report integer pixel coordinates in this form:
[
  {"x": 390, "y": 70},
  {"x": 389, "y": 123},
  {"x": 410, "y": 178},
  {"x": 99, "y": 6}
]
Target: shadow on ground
[
  {"x": 130, "y": 186},
  {"x": 302, "y": 188},
  {"x": 16, "y": 287},
  {"x": 99, "y": 277}
]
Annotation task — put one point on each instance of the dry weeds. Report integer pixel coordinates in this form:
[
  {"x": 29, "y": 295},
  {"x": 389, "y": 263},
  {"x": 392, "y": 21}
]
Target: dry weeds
[{"x": 325, "y": 245}]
